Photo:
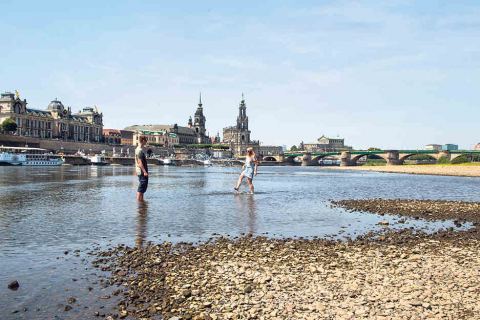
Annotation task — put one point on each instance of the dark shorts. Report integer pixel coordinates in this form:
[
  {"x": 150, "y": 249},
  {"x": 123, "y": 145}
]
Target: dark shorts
[{"x": 142, "y": 183}]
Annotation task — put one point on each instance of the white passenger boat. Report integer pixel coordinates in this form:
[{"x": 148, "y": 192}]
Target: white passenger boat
[
  {"x": 207, "y": 162},
  {"x": 98, "y": 160},
  {"x": 18, "y": 156},
  {"x": 203, "y": 159}
]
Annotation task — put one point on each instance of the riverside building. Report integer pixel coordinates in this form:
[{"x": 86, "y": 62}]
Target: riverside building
[
  {"x": 326, "y": 144},
  {"x": 193, "y": 133},
  {"x": 156, "y": 138},
  {"x": 56, "y": 122},
  {"x": 118, "y": 137},
  {"x": 433, "y": 147},
  {"x": 238, "y": 136}
]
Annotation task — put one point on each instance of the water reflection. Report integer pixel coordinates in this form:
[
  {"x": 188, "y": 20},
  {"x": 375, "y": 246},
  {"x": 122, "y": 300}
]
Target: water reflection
[
  {"x": 142, "y": 217},
  {"x": 247, "y": 209},
  {"x": 46, "y": 211}
]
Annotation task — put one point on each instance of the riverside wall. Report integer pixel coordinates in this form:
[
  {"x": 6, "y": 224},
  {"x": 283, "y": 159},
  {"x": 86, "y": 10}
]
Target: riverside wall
[
  {"x": 70, "y": 147},
  {"x": 53, "y": 145}
]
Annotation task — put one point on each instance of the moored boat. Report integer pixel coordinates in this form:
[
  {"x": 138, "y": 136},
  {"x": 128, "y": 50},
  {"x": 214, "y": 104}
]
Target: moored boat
[
  {"x": 98, "y": 160},
  {"x": 168, "y": 161},
  {"x": 207, "y": 162},
  {"x": 25, "y": 156},
  {"x": 8, "y": 158}
]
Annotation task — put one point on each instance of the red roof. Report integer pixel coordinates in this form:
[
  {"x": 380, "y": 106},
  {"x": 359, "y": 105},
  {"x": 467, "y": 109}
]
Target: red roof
[{"x": 111, "y": 131}]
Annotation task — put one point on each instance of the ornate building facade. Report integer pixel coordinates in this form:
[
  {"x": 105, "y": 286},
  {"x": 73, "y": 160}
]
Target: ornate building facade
[
  {"x": 199, "y": 124},
  {"x": 326, "y": 144},
  {"x": 156, "y": 138},
  {"x": 56, "y": 122},
  {"x": 118, "y": 137},
  {"x": 238, "y": 136},
  {"x": 194, "y": 133}
]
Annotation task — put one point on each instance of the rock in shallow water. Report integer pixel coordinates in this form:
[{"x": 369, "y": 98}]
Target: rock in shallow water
[{"x": 14, "y": 285}]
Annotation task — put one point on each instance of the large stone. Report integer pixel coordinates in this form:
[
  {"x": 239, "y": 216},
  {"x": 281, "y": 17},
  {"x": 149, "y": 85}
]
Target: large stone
[{"x": 14, "y": 285}]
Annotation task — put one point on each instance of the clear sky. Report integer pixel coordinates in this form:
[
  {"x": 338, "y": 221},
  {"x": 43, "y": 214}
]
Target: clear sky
[{"x": 390, "y": 74}]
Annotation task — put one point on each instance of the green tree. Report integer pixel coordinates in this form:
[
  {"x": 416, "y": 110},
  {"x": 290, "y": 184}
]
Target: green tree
[
  {"x": 294, "y": 148},
  {"x": 443, "y": 160},
  {"x": 460, "y": 159},
  {"x": 9, "y": 125},
  {"x": 421, "y": 157}
]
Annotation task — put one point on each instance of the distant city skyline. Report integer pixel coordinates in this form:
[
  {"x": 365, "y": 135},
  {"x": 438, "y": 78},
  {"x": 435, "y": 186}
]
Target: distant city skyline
[{"x": 393, "y": 75}]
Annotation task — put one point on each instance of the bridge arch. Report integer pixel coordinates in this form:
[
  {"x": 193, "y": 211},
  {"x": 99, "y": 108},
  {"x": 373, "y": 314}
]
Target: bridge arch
[
  {"x": 270, "y": 159},
  {"x": 403, "y": 157},
  {"x": 293, "y": 158},
  {"x": 317, "y": 158},
  {"x": 357, "y": 157}
]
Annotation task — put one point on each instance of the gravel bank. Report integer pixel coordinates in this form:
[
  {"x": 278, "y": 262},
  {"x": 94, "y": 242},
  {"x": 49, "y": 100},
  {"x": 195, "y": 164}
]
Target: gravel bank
[
  {"x": 425, "y": 209},
  {"x": 443, "y": 170},
  {"x": 391, "y": 275},
  {"x": 259, "y": 278}
]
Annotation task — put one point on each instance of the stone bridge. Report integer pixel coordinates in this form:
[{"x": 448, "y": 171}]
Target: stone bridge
[{"x": 350, "y": 158}]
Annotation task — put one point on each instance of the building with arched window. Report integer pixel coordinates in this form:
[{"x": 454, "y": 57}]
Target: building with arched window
[
  {"x": 326, "y": 144},
  {"x": 194, "y": 133},
  {"x": 56, "y": 122}
]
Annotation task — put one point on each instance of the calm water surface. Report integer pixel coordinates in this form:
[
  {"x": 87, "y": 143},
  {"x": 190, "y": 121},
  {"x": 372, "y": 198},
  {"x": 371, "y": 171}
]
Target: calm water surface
[{"x": 46, "y": 211}]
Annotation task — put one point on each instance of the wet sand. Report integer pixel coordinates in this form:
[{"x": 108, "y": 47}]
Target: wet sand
[
  {"x": 388, "y": 275},
  {"x": 430, "y": 169}
]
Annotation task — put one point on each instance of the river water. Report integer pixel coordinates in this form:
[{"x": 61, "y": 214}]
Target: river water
[{"x": 45, "y": 212}]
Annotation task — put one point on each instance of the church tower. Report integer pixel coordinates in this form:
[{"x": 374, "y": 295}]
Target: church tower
[
  {"x": 238, "y": 136},
  {"x": 243, "y": 134},
  {"x": 242, "y": 119},
  {"x": 199, "y": 123}
]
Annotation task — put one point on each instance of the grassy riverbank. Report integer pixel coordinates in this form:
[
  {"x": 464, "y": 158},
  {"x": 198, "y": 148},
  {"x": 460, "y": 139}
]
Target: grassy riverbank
[
  {"x": 463, "y": 170},
  {"x": 390, "y": 275}
]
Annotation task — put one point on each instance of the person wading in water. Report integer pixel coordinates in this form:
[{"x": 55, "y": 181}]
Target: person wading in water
[
  {"x": 141, "y": 168},
  {"x": 249, "y": 170}
]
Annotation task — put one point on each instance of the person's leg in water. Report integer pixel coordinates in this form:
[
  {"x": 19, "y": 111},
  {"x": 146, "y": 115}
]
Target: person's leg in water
[
  {"x": 142, "y": 187},
  {"x": 239, "y": 182},
  {"x": 250, "y": 185}
]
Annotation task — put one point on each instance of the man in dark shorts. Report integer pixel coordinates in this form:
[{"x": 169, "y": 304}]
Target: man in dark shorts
[{"x": 141, "y": 168}]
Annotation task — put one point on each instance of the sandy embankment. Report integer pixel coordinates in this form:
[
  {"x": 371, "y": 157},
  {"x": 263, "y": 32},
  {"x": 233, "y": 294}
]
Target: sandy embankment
[{"x": 443, "y": 170}]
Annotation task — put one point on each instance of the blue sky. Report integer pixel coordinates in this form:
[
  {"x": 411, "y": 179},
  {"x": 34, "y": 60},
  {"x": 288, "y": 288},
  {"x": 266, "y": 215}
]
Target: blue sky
[{"x": 392, "y": 74}]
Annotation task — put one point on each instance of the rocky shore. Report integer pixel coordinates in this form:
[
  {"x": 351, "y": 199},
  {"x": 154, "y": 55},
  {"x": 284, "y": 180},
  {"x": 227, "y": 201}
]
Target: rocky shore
[
  {"x": 395, "y": 275},
  {"x": 428, "y": 169}
]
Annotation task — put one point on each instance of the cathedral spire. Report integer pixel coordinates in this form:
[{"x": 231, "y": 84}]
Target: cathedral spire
[{"x": 200, "y": 100}]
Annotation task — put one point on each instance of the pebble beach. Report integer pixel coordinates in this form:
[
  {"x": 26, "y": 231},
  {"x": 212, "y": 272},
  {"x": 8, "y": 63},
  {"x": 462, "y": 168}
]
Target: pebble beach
[{"x": 393, "y": 274}]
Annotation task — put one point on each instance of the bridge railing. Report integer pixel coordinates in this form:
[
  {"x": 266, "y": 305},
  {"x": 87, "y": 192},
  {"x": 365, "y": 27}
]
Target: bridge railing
[{"x": 368, "y": 152}]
